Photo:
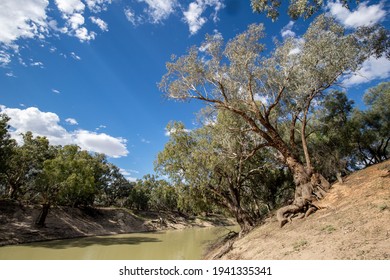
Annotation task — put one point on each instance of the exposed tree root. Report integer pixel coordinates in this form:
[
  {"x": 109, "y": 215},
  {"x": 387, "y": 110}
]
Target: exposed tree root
[
  {"x": 305, "y": 195},
  {"x": 226, "y": 249}
]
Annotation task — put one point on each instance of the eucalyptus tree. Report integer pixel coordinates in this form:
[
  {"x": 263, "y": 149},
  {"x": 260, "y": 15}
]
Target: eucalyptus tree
[
  {"x": 273, "y": 94},
  {"x": 296, "y": 8},
  {"x": 163, "y": 196},
  {"x": 115, "y": 188},
  {"x": 221, "y": 161},
  {"x": 25, "y": 164},
  {"x": 67, "y": 179}
]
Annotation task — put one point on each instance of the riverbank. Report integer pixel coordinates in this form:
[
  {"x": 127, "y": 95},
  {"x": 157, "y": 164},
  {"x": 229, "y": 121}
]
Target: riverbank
[
  {"x": 17, "y": 222},
  {"x": 352, "y": 223}
]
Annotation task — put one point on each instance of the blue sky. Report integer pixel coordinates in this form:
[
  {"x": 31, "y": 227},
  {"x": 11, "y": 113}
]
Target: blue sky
[{"x": 85, "y": 72}]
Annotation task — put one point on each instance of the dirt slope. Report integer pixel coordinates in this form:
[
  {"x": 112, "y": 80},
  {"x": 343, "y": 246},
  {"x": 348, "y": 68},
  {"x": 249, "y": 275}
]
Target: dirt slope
[{"x": 353, "y": 224}]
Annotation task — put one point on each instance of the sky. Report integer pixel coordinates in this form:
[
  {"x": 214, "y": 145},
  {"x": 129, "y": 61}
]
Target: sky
[{"x": 85, "y": 72}]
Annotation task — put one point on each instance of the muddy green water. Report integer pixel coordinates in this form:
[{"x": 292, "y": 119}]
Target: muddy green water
[{"x": 187, "y": 244}]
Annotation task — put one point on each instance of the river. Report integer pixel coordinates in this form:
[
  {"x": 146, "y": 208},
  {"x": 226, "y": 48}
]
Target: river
[{"x": 186, "y": 244}]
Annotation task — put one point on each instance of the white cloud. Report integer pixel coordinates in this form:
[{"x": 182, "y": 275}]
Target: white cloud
[
  {"x": 36, "y": 64},
  {"x": 127, "y": 173},
  {"x": 76, "y": 20},
  {"x": 70, "y": 6},
  {"x": 159, "y": 10},
  {"x": 37, "y": 20},
  {"x": 143, "y": 140},
  {"x": 47, "y": 124},
  {"x": 99, "y": 22},
  {"x": 75, "y": 56},
  {"x": 364, "y": 15},
  {"x": 97, "y": 6},
  {"x": 133, "y": 171},
  {"x": 22, "y": 19},
  {"x": 100, "y": 127},
  {"x": 5, "y": 58},
  {"x": 132, "y": 17},
  {"x": 73, "y": 13},
  {"x": 124, "y": 172},
  {"x": 39, "y": 123},
  {"x": 193, "y": 16},
  {"x": 372, "y": 69},
  {"x": 132, "y": 179},
  {"x": 56, "y": 91},
  {"x": 71, "y": 121},
  {"x": 173, "y": 131},
  {"x": 101, "y": 143},
  {"x": 287, "y": 30},
  {"x": 10, "y": 74},
  {"x": 84, "y": 35}
]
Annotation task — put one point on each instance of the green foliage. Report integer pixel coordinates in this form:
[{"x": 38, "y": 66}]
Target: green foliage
[
  {"x": 220, "y": 165},
  {"x": 139, "y": 196},
  {"x": 151, "y": 193},
  {"x": 26, "y": 164},
  {"x": 330, "y": 140},
  {"x": 68, "y": 179},
  {"x": 296, "y": 8},
  {"x": 371, "y": 134},
  {"x": 6, "y": 150},
  {"x": 115, "y": 188}
]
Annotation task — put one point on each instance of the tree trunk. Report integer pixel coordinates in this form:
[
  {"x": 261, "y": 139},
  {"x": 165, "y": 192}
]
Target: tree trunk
[
  {"x": 13, "y": 191},
  {"x": 310, "y": 186},
  {"x": 244, "y": 220},
  {"x": 42, "y": 215}
]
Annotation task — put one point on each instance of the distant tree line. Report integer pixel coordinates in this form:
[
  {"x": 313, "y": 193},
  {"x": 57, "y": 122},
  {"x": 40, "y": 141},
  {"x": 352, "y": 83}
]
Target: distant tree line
[{"x": 35, "y": 172}]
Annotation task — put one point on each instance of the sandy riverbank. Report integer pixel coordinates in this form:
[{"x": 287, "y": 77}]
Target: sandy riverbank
[{"x": 17, "y": 222}]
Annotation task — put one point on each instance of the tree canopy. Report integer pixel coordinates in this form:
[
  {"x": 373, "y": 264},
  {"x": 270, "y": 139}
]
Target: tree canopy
[{"x": 296, "y": 8}]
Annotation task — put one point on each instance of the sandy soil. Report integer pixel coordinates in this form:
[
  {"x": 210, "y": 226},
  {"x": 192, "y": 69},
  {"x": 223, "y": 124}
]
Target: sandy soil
[
  {"x": 354, "y": 223},
  {"x": 17, "y": 222}
]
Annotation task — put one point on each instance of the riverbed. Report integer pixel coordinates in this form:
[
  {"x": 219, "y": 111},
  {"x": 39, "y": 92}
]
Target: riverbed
[{"x": 186, "y": 244}]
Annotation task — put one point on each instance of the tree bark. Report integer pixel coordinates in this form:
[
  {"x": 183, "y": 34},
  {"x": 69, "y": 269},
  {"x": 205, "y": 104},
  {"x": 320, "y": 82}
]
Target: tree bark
[
  {"x": 244, "y": 220},
  {"x": 42, "y": 215},
  {"x": 310, "y": 186}
]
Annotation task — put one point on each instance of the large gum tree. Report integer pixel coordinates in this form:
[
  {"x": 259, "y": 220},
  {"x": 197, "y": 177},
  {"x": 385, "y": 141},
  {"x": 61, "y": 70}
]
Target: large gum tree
[{"x": 274, "y": 93}]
